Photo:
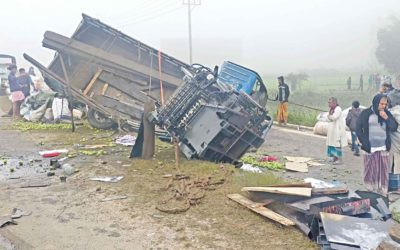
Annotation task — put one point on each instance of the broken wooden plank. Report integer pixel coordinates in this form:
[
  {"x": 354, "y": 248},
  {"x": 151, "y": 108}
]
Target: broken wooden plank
[
  {"x": 104, "y": 89},
  {"x": 298, "y": 159},
  {"x": 296, "y": 166},
  {"x": 258, "y": 208},
  {"x": 395, "y": 233},
  {"x": 281, "y": 190},
  {"x": 124, "y": 85},
  {"x": 333, "y": 190},
  {"x": 305, "y": 184},
  {"x": 92, "y": 81}
]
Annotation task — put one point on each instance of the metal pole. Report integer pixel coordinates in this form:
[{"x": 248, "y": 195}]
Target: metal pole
[
  {"x": 190, "y": 32},
  {"x": 69, "y": 92},
  {"x": 191, "y": 3}
]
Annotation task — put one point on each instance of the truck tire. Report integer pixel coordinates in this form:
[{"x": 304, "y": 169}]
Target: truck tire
[{"x": 99, "y": 120}]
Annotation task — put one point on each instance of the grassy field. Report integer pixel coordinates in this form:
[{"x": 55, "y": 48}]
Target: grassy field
[{"x": 315, "y": 93}]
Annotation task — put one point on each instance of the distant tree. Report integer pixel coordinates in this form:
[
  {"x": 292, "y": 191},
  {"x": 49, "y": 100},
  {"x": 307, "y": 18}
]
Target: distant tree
[
  {"x": 295, "y": 80},
  {"x": 388, "y": 50}
]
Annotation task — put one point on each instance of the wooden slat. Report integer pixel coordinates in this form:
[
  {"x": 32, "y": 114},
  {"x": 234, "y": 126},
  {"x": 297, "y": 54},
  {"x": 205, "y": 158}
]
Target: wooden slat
[
  {"x": 298, "y": 191},
  {"x": 92, "y": 81},
  {"x": 123, "y": 85},
  {"x": 305, "y": 184},
  {"x": 395, "y": 233},
  {"x": 76, "y": 93},
  {"x": 105, "y": 87},
  {"x": 119, "y": 106},
  {"x": 260, "y": 209}
]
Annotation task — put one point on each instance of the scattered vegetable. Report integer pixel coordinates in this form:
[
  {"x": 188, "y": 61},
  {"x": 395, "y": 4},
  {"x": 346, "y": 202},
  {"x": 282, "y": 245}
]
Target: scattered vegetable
[
  {"x": 263, "y": 164},
  {"x": 27, "y": 126}
]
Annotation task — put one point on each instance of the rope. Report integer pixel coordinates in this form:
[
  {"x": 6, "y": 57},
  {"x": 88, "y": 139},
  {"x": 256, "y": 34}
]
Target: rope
[
  {"x": 308, "y": 107},
  {"x": 151, "y": 71},
  {"x": 161, "y": 83}
]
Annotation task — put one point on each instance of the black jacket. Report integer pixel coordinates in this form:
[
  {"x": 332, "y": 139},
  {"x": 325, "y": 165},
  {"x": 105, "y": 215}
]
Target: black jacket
[
  {"x": 13, "y": 82},
  {"x": 283, "y": 93},
  {"x": 352, "y": 117},
  {"x": 362, "y": 129}
]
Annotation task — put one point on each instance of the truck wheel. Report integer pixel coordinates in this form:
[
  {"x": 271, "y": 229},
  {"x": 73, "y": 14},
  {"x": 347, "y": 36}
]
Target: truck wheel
[{"x": 100, "y": 121}]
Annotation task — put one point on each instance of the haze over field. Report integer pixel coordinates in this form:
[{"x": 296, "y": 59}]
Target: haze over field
[{"x": 270, "y": 36}]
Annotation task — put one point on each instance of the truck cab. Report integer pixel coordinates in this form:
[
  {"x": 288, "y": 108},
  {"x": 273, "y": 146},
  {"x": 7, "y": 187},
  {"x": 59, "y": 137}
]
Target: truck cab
[{"x": 244, "y": 79}]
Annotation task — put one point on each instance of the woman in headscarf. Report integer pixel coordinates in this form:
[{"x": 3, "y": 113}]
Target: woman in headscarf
[
  {"x": 373, "y": 130},
  {"x": 336, "y": 136}
]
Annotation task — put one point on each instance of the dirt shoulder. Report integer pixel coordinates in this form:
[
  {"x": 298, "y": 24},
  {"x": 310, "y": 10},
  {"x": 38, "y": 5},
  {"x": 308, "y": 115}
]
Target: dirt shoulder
[{"x": 74, "y": 214}]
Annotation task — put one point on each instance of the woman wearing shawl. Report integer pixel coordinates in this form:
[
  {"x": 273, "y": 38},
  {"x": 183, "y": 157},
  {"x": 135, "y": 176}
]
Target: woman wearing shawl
[
  {"x": 336, "y": 137},
  {"x": 373, "y": 130}
]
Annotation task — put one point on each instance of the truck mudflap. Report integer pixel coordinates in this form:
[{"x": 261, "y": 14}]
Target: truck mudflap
[{"x": 213, "y": 122}]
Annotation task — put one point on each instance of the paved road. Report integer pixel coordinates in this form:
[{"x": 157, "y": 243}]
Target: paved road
[{"x": 281, "y": 142}]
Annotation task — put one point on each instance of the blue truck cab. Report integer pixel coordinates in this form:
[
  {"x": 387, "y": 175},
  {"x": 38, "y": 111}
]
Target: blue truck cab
[{"x": 244, "y": 79}]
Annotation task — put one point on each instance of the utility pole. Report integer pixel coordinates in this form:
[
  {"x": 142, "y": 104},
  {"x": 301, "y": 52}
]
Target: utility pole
[{"x": 190, "y": 3}]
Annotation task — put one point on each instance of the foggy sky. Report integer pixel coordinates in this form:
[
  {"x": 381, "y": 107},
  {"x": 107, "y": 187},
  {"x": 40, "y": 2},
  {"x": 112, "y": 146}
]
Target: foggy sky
[{"x": 270, "y": 36}]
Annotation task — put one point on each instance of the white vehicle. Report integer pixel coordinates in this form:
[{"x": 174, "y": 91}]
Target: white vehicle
[{"x": 5, "y": 61}]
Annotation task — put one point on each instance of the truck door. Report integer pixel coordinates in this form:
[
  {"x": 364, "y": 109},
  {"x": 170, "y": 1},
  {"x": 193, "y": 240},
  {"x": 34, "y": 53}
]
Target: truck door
[{"x": 259, "y": 93}]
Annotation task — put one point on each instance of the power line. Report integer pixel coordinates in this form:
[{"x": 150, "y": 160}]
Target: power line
[
  {"x": 153, "y": 17},
  {"x": 125, "y": 11},
  {"x": 146, "y": 11}
]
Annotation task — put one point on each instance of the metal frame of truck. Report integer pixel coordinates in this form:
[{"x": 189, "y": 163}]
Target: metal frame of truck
[{"x": 112, "y": 70}]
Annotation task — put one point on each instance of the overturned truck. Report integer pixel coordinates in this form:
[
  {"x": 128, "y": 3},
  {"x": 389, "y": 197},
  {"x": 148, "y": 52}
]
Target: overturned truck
[
  {"x": 217, "y": 115},
  {"x": 213, "y": 120}
]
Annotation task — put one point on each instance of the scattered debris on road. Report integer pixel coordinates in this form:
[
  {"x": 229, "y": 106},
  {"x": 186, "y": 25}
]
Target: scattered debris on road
[
  {"x": 254, "y": 161},
  {"x": 250, "y": 168},
  {"x": 182, "y": 191},
  {"x": 18, "y": 213},
  {"x": 53, "y": 153},
  {"x": 113, "y": 198},
  {"x": 126, "y": 140},
  {"x": 107, "y": 178},
  {"x": 6, "y": 220},
  {"x": 325, "y": 212},
  {"x": 35, "y": 184}
]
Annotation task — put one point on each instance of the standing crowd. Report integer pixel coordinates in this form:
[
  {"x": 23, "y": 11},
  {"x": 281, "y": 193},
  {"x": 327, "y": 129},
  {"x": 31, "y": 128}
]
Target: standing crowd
[
  {"x": 375, "y": 81},
  {"x": 20, "y": 88},
  {"x": 373, "y": 129}
]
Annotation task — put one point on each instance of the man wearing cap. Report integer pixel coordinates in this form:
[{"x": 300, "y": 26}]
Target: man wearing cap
[
  {"x": 283, "y": 98},
  {"x": 17, "y": 96}
]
